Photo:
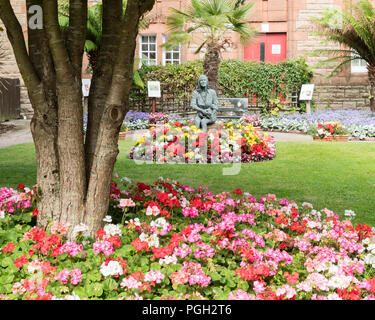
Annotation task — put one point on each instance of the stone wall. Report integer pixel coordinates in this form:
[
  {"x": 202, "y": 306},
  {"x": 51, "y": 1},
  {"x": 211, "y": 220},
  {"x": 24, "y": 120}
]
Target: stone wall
[{"x": 341, "y": 97}]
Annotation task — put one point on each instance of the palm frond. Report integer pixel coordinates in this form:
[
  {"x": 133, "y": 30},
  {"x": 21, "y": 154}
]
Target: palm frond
[{"x": 353, "y": 28}]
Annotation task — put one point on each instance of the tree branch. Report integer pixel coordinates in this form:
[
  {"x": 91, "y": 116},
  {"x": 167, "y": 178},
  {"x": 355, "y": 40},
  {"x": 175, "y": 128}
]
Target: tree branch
[
  {"x": 63, "y": 67},
  {"x": 77, "y": 33},
  {"x": 17, "y": 40}
]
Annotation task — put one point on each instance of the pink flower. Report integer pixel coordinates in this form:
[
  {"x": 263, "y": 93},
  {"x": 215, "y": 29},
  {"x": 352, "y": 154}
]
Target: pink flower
[
  {"x": 152, "y": 211},
  {"x": 103, "y": 246},
  {"x": 63, "y": 276},
  {"x": 123, "y": 203}
]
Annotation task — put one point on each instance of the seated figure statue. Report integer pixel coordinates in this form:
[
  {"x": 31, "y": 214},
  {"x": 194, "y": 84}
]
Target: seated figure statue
[{"x": 204, "y": 101}]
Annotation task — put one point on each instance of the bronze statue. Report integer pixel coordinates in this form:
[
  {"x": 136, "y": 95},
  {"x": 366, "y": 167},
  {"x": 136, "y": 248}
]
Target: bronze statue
[{"x": 204, "y": 101}]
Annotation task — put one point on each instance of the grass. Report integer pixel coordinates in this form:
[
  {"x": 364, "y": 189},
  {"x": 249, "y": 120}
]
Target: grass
[{"x": 336, "y": 176}]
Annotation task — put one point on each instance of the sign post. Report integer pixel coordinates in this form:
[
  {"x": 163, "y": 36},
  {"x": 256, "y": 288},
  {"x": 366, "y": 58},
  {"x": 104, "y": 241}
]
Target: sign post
[
  {"x": 153, "y": 92},
  {"x": 306, "y": 94}
]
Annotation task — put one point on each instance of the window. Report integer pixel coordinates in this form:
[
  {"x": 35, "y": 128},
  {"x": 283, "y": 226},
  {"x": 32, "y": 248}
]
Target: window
[
  {"x": 171, "y": 56},
  {"x": 358, "y": 65},
  {"x": 148, "y": 52}
]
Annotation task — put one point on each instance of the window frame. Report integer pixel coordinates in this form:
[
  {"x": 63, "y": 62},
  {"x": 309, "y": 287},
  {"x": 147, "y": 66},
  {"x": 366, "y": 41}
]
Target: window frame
[
  {"x": 148, "y": 43},
  {"x": 164, "y": 61},
  {"x": 357, "y": 68}
]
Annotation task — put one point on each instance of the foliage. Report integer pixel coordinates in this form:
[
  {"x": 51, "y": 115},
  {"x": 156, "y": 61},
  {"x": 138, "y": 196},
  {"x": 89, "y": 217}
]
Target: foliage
[
  {"x": 177, "y": 143},
  {"x": 179, "y": 242},
  {"x": 264, "y": 81},
  {"x": 213, "y": 18},
  {"x": 352, "y": 27},
  {"x": 93, "y": 33}
]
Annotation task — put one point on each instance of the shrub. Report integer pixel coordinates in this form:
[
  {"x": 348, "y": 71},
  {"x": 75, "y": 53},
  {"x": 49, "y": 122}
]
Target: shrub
[{"x": 267, "y": 82}]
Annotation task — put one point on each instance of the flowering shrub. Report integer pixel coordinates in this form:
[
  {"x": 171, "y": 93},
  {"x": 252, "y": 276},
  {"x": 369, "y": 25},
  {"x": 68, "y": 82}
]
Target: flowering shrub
[
  {"x": 187, "y": 144},
  {"x": 232, "y": 247},
  {"x": 330, "y": 129},
  {"x": 250, "y": 119},
  {"x": 157, "y": 118}
]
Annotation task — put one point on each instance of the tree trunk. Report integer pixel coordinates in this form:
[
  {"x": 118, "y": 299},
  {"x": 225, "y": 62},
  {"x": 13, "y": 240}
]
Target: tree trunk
[
  {"x": 211, "y": 65},
  {"x": 74, "y": 174},
  {"x": 371, "y": 77}
]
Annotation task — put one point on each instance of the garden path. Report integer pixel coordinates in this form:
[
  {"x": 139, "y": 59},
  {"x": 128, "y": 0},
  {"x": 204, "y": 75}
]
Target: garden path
[{"x": 18, "y": 133}]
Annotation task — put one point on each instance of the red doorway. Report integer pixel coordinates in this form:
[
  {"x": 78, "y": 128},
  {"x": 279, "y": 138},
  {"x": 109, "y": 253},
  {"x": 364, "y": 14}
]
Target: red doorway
[{"x": 267, "y": 47}]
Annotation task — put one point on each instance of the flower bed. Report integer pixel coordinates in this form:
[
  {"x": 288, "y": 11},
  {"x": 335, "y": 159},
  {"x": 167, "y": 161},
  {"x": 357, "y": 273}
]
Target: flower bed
[
  {"x": 187, "y": 144},
  {"x": 359, "y": 123},
  {"x": 179, "y": 242}
]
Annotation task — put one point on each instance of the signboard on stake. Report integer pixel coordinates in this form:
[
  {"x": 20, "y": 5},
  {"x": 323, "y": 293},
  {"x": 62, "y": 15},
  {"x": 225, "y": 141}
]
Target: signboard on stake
[
  {"x": 153, "y": 92},
  {"x": 153, "y": 89},
  {"x": 306, "y": 94}
]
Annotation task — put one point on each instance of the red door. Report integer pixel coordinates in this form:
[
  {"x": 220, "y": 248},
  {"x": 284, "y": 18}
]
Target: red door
[{"x": 267, "y": 47}]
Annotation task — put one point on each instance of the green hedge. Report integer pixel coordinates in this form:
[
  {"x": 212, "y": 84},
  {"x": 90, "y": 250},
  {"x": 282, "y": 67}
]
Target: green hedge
[{"x": 266, "y": 81}]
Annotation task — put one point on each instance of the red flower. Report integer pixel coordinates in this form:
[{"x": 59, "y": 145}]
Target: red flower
[
  {"x": 114, "y": 240},
  {"x": 21, "y": 186},
  {"x": 140, "y": 245},
  {"x": 291, "y": 278},
  {"x": 262, "y": 270},
  {"x": 371, "y": 282},
  {"x": 246, "y": 273},
  {"x": 100, "y": 233},
  {"x": 237, "y": 191},
  {"x": 21, "y": 261},
  {"x": 35, "y": 212},
  {"x": 9, "y": 247}
]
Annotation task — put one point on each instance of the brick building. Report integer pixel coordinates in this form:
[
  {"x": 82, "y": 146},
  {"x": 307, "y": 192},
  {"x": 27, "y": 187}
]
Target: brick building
[{"x": 285, "y": 32}]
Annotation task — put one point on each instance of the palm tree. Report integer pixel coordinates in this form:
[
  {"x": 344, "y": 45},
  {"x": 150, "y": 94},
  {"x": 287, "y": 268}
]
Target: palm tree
[
  {"x": 353, "y": 28},
  {"x": 213, "y": 19}
]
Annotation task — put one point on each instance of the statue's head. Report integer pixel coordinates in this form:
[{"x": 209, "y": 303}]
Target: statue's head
[{"x": 203, "y": 82}]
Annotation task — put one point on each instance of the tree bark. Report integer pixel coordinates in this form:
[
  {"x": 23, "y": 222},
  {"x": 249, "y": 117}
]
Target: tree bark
[{"x": 211, "y": 64}]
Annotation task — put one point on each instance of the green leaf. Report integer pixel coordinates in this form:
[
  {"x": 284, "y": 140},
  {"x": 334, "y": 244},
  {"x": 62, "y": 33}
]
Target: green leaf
[
  {"x": 109, "y": 284},
  {"x": 7, "y": 262}
]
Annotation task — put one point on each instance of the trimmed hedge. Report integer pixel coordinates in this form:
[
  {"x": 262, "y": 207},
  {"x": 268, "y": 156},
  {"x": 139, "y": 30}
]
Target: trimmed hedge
[{"x": 265, "y": 81}]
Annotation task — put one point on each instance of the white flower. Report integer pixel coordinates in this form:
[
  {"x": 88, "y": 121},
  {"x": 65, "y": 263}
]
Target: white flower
[
  {"x": 2, "y": 214},
  {"x": 111, "y": 269},
  {"x": 112, "y": 229},
  {"x": 152, "y": 240},
  {"x": 339, "y": 282},
  {"x": 107, "y": 219},
  {"x": 126, "y": 179},
  {"x": 168, "y": 260},
  {"x": 81, "y": 228}
]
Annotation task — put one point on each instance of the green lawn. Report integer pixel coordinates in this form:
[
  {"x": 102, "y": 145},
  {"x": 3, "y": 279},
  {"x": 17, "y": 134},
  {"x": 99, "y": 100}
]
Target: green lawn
[{"x": 336, "y": 176}]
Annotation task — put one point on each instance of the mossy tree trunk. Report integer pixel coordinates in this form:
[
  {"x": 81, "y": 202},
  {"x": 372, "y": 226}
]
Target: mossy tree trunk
[{"x": 74, "y": 172}]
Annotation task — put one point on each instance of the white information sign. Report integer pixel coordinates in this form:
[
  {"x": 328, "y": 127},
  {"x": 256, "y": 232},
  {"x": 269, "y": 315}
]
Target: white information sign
[
  {"x": 153, "y": 89},
  {"x": 86, "y": 83},
  {"x": 265, "y": 27},
  {"x": 306, "y": 93},
  {"x": 276, "y": 49}
]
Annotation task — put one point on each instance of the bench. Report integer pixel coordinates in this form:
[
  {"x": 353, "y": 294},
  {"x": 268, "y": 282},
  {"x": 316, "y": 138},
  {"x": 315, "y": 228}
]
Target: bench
[{"x": 231, "y": 108}]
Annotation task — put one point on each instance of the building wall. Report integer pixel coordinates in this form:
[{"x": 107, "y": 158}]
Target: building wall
[{"x": 290, "y": 17}]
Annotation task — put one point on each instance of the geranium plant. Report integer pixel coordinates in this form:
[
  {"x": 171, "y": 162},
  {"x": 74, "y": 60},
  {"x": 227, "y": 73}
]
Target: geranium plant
[
  {"x": 173, "y": 241},
  {"x": 330, "y": 129}
]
